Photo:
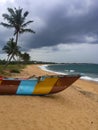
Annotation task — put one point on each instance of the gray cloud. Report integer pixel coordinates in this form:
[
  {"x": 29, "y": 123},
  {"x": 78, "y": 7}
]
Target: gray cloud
[
  {"x": 67, "y": 53},
  {"x": 62, "y": 26}
]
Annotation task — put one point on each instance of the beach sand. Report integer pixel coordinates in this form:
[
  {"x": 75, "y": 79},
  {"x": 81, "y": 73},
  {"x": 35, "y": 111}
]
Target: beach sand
[{"x": 75, "y": 108}]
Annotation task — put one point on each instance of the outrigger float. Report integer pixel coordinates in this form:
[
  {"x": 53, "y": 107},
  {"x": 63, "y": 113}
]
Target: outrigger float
[{"x": 42, "y": 85}]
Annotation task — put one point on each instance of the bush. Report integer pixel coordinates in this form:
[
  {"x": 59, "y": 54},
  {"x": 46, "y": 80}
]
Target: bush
[{"x": 14, "y": 71}]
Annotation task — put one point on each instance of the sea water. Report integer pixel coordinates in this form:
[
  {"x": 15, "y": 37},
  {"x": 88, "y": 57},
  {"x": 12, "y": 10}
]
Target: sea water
[{"x": 87, "y": 71}]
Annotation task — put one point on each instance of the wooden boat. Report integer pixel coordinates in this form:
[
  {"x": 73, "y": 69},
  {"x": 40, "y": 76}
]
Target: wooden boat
[{"x": 42, "y": 85}]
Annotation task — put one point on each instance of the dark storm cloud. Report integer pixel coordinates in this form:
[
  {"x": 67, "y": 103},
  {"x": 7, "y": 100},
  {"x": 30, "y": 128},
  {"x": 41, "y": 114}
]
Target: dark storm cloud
[
  {"x": 4, "y": 37},
  {"x": 59, "y": 21},
  {"x": 63, "y": 28}
]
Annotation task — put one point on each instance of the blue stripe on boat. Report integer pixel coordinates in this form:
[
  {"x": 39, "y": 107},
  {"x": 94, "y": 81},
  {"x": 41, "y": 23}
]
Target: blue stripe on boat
[{"x": 26, "y": 87}]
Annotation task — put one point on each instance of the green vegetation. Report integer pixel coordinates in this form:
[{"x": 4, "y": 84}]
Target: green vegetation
[
  {"x": 11, "y": 68},
  {"x": 24, "y": 57}
]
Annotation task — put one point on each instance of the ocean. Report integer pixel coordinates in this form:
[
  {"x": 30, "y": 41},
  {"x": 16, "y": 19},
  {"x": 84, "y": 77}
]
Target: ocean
[{"x": 87, "y": 71}]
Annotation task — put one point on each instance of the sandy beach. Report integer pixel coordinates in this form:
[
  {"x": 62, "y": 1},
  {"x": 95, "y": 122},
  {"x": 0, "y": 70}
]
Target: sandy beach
[{"x": 75, "y": 108}]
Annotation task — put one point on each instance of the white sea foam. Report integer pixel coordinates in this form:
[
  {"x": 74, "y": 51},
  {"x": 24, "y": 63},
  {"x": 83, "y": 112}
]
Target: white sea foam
[
  {"x": 70, "y": 71},
  {"x": 43, "y": 67},
  {"x": 89, "y": 78}
]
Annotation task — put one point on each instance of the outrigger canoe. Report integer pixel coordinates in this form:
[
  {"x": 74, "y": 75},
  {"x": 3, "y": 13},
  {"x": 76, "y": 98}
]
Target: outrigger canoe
[{"x": 43, "y": 85}]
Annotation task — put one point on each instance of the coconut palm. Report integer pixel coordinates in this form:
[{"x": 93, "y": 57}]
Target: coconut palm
[
  {"x": 17, "y": 20},
  {"x": 25, "y": 57},
  {"x": 11, "y": 49}
]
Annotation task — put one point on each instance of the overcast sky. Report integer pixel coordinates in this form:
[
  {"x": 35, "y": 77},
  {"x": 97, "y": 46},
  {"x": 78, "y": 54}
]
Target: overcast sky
[{"x": 66, "y": 30}]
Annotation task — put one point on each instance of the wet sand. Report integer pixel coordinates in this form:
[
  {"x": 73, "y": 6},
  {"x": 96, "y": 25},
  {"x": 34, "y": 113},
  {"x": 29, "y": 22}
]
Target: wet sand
[{"x": 75, "y": 108}]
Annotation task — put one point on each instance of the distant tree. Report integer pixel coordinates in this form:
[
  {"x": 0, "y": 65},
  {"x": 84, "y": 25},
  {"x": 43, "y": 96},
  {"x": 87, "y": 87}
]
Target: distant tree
[{"x": 25, "y": 57}]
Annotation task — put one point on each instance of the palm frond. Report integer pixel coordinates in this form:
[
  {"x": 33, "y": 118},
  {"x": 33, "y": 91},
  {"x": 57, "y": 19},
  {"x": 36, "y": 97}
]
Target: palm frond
[
  {"x": 24, "y": 17},
  {"x": 26, "y": 30},
  {"x": 6, "y": 25},
  {"x": 25, "y": 24},
  {"x": 9, "y": 18},
  {"x": 6, "y": 16},
  {"x": 11, "y": 11},
  {"x": 25, "y": 14}
]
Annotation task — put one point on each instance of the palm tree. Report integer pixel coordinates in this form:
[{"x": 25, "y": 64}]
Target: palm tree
[
  {"x": 17, "y": 20},
  {"x": 11, "y": 49},
  {"x": 25, "y": 57}
]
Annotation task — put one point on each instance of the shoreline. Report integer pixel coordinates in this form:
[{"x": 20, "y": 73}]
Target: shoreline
[
  {"x": 73, "y": 108},
  {"x": 31, "y": 70}
]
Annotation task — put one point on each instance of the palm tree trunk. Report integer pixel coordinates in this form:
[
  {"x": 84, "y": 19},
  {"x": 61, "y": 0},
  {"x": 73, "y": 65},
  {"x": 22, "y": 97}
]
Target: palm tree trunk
[
  {"x": 17, "y": 35},
  {"x": 8, "y": 58},
  {"x": 8, "y": 61},
  {"x": 16, "y": 38}
]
